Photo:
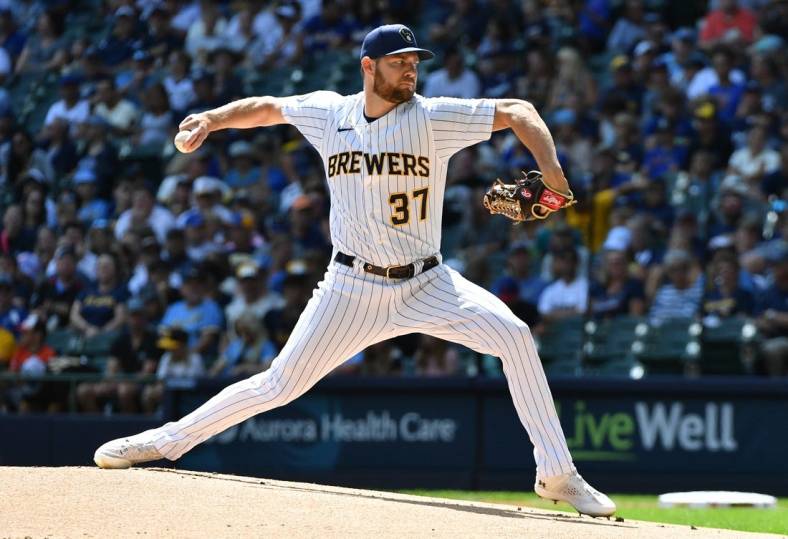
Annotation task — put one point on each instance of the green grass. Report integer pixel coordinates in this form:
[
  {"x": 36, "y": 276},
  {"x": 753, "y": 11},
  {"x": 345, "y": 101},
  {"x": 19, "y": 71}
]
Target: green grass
[{"x": 639, "y": 507}]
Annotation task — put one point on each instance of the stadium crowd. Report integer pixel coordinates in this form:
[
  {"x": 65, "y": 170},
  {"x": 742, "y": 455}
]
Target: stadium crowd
[{"x": 670, "y": 120}]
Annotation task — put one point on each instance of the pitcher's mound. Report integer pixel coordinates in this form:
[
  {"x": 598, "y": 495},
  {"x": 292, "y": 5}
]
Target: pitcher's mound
[{"x": 163, "y": 503}]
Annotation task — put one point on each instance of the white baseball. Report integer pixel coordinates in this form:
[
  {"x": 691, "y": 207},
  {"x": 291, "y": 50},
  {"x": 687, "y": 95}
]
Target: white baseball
[{"x": 180, "y": 140}]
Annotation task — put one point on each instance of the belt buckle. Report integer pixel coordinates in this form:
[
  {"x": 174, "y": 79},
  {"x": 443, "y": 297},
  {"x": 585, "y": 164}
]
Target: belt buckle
[{"x": 388, "y": 269}]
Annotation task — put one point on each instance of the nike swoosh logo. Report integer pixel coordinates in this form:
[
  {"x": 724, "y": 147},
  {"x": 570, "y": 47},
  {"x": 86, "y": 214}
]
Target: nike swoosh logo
[{"x": 344, "y": 129}]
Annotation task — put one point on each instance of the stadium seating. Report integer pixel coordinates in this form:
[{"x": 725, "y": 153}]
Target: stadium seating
[
  {"x": 669, "y": 347},
  {"x": 724, "y": 345},
  {"x": 608, "y": 346},
  {"x": 562, "y": 341}
]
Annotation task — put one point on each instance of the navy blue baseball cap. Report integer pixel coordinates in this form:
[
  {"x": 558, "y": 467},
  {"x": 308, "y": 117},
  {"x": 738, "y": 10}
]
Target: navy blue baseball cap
[{"x": 392, "y": 39}]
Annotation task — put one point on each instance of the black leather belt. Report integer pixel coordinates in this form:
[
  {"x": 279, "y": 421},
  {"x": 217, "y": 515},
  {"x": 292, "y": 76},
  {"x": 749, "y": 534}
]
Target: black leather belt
[{"x": 392, "y": 272}]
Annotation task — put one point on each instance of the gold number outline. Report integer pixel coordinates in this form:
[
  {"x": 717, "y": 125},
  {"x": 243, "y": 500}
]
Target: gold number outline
[
  {"x": 401, "y": 199},
  {"x": 402, "y": 202}
]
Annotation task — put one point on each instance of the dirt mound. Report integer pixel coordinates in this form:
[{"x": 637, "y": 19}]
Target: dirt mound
[{"x": 157, "y": 502}]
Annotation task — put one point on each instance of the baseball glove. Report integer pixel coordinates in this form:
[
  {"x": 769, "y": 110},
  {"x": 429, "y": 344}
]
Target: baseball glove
[{"x": 527, "y": 199}]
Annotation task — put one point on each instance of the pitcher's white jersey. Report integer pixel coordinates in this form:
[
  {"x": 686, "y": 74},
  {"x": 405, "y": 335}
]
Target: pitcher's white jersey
[{"x": 387, "y": 177}]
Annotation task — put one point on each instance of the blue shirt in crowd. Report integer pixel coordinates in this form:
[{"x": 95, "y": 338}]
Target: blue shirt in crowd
[{"x": 194, "y": 319}]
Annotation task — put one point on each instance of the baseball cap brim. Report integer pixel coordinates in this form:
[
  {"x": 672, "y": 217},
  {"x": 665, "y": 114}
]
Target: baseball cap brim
[{"x": 424, "y": 54}]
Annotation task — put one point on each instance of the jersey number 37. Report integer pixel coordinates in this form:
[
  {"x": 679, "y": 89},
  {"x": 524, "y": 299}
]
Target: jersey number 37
[{"x": 400, "y": 206}]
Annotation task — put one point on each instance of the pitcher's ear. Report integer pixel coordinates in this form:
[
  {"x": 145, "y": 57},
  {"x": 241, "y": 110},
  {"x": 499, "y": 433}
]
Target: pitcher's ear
[{"x": 368, "y": 65}]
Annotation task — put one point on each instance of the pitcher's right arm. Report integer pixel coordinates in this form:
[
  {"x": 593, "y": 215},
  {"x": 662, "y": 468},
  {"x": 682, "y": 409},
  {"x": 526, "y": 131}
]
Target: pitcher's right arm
[{"x": 244, "y": 113}]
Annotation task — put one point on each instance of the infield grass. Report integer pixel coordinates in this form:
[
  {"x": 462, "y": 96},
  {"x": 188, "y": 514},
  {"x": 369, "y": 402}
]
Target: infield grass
[{"x": 640, "y": 507}]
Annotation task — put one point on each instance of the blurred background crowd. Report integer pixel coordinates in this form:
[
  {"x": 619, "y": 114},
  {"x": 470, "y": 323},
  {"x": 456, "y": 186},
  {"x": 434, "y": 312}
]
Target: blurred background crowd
[{"x": 123, "y": 258}]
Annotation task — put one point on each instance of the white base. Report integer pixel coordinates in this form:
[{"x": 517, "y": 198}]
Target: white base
[{"x": 719, "y": 498}]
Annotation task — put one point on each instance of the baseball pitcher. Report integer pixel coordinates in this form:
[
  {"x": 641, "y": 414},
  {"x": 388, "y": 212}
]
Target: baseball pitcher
[{"x": 385, "y": 152}]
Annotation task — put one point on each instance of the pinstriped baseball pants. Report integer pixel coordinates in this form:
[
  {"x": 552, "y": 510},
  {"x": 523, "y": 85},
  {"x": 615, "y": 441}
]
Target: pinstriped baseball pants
[{"x": 351, "y": 310}]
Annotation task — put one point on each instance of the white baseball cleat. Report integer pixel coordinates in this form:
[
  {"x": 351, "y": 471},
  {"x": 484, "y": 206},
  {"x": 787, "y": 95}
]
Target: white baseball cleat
[
  {"x": 125, "y": 452},
  {"x": 573, "y": 489}
]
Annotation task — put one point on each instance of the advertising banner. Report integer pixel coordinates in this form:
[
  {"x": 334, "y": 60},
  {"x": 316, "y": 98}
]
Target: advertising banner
[
  {"x": 323, "y": 432},
  {"x": 667, "y": 434},
  {"x": 649, "y": 434}
]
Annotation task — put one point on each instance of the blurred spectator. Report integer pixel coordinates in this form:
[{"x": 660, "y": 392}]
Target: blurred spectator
[
  {"x": 227, "y": 85},
  {"x": 31, "y": 358},
  {"x": 145, "y": 213},
  {"x": 21, "y": 283},
  {"x": 567, "y": 296},
  {"x": 329, "y": 30},
  {"x": 37, "y": 208},
  {"x": 282, "y": 43},
  {"x": 663, "y": 155},
  {"x": 279, "y": 323},
  {"x": 252, "y": 295},
  {"x": 454, "y": 79},
  {"x": 14, "y": 238},
  {"x": 754, "y": 161},
  {"x": 765, "y": 75},
  {"x": 772, "y": 311},
  {"x": 61, "y": 150},
  {"x": 573, "y": 85},
  {"x": 466, "y": 18},
  {"x": 149, "y": 256},
  {"x": 98, "y": 153},
  {"x": 101, "y": 308},
  {"x": 208, "y": 192},
  {"x": 653, "y": 202},
  {"x": 178, "y": 362},
  {"x": 199, "y": 317},
  {"x": 175, "y": 250},
  {"x": 70, "y": 107},
  {"x": 710, "y": 135},
  {"x": 519, "y": 288},
  {"x": 20, "y": 160},
  {"x": 721, "y": 74},
  {"x": 436, "y": 357},
  {"x": 54, "y": 297},
  {"x": 179, "y": 86},
  {"x": 244, "y": 169},
  {"x": 206, "y": 33},
  {"x": 199, "y": 242},
  {"x": 729, "y": 24},
  {"x": 501, "y": 77},
  {"x": 680, "y": 295},
  {"x": 45, "y": 48},
  {"x": 775, "y": 183},
  {"x": 563, "y": 238},
  {"x": 304, "y": 231},
  {"x": 119, "y": 46},
  {"x": 693, "y": 192},
  {"x": 594, "y": 21},
  {"x": 11, "y": 38},
  {"x": 247, "y": 351},
  {"x": 242, "y": 27},
  {"x": 730, "y": 206},
  {"x": 11, "y": 316},
  {"x": 723, "y": 295},
  {"x": 615, "y": 293},
  {"x": 629, "y": 29},
  {"x": 92, "y": 208},
  {"x": 681, "y": 57},
  {"x": 120, "y": 114},
  {"x": 205, "y": 98},
  {"x": 133, "y": 354},
  {"x": 160, "y": 39}
]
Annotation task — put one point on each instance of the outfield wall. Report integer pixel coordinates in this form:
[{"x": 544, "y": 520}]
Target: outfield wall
[{"x": 650, "y": 435}]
